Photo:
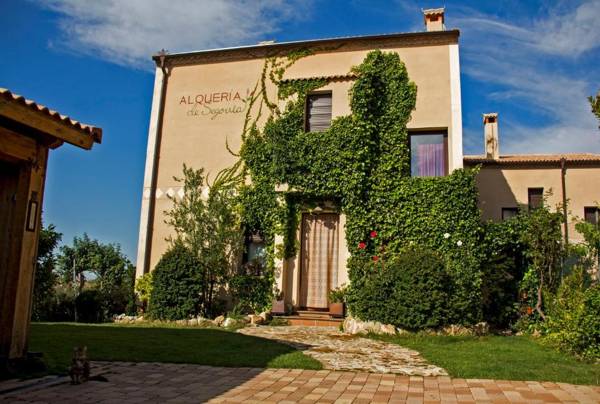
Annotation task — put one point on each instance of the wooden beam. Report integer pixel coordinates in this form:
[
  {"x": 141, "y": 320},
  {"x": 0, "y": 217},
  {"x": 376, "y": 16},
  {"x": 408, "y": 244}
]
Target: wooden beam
[
  {"x": 17, "y": 146},
  {"x": 35, "y": 119}
]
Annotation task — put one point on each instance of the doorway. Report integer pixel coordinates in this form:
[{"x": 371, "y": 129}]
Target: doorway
[{"x": 318, "y": 259}]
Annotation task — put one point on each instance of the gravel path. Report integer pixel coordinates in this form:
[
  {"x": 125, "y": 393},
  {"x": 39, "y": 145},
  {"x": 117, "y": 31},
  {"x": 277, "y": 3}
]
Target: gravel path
[{"x": 339, "y": 351}]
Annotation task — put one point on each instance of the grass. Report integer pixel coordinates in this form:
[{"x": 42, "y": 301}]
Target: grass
[
  {"x": 132, "y": 343},
  {"x": 498, "y": 357}
]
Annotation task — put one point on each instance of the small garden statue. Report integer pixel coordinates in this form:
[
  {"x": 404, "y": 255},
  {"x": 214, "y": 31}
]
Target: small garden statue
[{"x": 80, "y": 366}]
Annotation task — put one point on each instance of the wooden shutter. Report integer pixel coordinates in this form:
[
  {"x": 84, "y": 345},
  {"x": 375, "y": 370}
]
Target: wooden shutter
[
  {"x": 536, "y": 197},
  {"x": 318, "y": 112}
]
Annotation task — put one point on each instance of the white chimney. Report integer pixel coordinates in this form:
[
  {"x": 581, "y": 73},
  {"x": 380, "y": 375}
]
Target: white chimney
[
  {"x": 490, "y": 132},
  {"x": 434, "y": 19}
]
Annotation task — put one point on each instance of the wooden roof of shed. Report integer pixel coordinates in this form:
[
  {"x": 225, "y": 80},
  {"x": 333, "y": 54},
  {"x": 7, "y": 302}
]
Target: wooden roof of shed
[{"x": 29, "y": 113}]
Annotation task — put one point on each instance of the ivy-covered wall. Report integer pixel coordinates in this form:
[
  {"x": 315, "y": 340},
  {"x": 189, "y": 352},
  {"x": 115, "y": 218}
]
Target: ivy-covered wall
[{"x": 362, "y": 162}]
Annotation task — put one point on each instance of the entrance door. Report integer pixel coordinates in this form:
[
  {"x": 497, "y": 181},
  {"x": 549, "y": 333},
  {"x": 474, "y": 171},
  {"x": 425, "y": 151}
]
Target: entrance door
[{"x": 319, "y": 259}]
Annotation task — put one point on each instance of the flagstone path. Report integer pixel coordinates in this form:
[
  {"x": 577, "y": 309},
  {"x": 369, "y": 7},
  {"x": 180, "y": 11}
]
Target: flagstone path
[
  {"x": 180, "y": 383},
  {"x": 340, "y": 351}
]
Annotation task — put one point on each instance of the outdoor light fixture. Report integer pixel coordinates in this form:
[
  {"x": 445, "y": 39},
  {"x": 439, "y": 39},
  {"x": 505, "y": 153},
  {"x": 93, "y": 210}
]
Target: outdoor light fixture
[{"x": 32, "y": 212}]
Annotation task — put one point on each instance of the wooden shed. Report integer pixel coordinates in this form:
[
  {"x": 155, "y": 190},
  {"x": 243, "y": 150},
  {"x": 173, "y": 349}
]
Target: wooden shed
[{"x": 27, "y": 132}]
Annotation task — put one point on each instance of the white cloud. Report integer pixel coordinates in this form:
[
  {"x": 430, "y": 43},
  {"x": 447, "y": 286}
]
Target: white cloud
[
  {"x": 536, "y": 66},
  {"x": 129, "y": 32}
]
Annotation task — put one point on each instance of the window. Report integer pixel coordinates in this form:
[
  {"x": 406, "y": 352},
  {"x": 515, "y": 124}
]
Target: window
[
  {"x": 318, "y": 112},
  {"x": 507, "y": 213},
  {"x": 535, "y": 197},
  {"x": 590, "y": 214},
  {"x": 428, "y": 154},
  {"x": 255, "y": 253}
]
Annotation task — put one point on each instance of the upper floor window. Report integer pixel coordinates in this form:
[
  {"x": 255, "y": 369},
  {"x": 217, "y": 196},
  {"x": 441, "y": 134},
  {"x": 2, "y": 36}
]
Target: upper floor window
[
  {"x": 428, "y": 154},
  {"x": 318, "y": 112},
  {"x": 590, "y": 215},
  {"x": 535, "y": 197}
]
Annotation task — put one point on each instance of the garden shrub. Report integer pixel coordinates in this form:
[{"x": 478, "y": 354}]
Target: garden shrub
[
  {"x": 177, "y": 282},
  {"x": 408, "y": 290},
  {"x": 573, "y": 321},
  {"x": 89, "y": 306},
  {"x": 252, "y": 292}
]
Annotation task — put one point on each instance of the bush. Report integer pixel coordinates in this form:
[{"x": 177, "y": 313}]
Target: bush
[
  {"x": 89, "y": 306},
  {"x": 574, "y": 316},
  {"x": 410, "y": 290},
  {"x": 252, "y": 292},
  {"x": 177, "y": 283}
]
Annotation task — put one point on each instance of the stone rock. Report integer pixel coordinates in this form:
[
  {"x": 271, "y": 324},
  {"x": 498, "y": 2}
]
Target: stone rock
[
  {"x": 219, "y": 320},
  {"x": 536, "y": 334},
  {"x": 354, "y": 326},
  {"x": 255, "y": 319},
  {"x": 181, "y": 322},
  {"x": 401, "y": 331},
  {"x": 266, "y": 316},
  {"x": 481, "y": 329},
  {"x": 193, "y": 322},
  {"x": 232, "y": 322},
  {"x": 457, "y": 330},
  {"x": 204, "y": 322},
  {"x": 139, "y": 319}
]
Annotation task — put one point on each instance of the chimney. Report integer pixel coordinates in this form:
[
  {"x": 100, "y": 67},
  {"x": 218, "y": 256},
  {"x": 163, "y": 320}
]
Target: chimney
[
  {"x": 490, "y": 132},
  {"x": 434, "y": 19}
]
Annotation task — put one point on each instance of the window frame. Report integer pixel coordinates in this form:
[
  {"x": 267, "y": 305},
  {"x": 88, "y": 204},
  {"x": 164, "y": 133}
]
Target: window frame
[
  {"x": 595, "y": 210},
  {"x": 306, "y": 106},
  {"x": 441, "y": 131},
  {"x": 530, "y": 191}
]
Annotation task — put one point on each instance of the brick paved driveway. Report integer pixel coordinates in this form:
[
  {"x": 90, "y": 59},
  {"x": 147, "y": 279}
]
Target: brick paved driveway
[{"x": 174, "y": 383}]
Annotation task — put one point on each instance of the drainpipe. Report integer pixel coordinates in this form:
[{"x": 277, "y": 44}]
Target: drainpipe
[
  {"x": 152, "y": 153},
  {"x": 563, "y": 173}
]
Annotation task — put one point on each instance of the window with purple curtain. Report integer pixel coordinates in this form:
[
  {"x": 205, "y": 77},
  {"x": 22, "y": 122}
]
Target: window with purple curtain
[{"x": 427, "y": 155}]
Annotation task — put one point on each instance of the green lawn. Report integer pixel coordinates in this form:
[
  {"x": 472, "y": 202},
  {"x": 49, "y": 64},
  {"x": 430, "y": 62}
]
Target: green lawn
[
  {"x": 497, "y": 357},
  {"x": 153, "y": 344}
]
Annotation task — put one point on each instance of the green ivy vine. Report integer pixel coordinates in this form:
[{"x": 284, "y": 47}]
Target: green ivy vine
[{"x": 362, "y": 163}]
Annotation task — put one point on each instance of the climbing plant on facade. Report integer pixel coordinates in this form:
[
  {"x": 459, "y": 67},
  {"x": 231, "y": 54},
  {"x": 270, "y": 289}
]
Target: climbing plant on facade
[{"x": 362, "y": 164}]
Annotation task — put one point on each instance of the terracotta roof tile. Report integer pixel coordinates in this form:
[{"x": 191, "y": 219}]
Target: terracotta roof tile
[
  {"x": 535, "y": 158},
  {"x": 93, "y": 131}
]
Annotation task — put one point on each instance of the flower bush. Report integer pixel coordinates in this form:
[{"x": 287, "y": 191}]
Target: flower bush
[{"x": 411, "y": 291}]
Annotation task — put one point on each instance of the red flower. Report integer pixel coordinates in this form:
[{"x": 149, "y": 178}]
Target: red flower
[
  {"x": 362, "y": 245},
  {"x": 529, "y": 310},
  {"x": 373, "y": 234},
  {"x": 375, "y": 258}
]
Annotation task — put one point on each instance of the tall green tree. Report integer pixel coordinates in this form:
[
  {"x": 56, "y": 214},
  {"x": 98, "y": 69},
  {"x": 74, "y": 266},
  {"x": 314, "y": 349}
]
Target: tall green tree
[
  {"x": 544, "y": 249},
  {"x": 110, "y": 270},
  {"x": 45, "y": 277},
  {"x": 210, "y": 227},
  {"x": 595, "y": 104}
]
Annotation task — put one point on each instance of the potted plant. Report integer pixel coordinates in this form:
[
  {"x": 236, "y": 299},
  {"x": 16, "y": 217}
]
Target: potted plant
[
  {"x": 278, "y": 305},
  {"x": 337, "y": 307}
]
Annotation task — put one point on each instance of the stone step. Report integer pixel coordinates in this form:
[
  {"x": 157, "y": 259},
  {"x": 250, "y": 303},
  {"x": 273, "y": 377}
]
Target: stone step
[
  {"x": 313, "y": 321},
  {"x": 313, "y": 314}
]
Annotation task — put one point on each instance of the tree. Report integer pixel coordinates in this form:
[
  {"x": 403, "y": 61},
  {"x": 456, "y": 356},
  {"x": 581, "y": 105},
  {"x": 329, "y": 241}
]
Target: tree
[
  {"x": 543, "y": 240},
  {"x": 45, "y": 278},
  {"x": 105, "y": 265},
  {"x": 595, "y": 104},
  {"x": 209, "y": 226}
]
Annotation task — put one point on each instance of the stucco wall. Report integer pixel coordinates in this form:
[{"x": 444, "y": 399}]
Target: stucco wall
[
  {"x": 507, "y": 187},
  {"x": 193, "y": 136}
]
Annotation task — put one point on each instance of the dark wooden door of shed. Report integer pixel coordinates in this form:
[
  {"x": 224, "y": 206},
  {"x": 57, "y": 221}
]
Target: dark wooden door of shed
[{"x": 13, "y": 204}]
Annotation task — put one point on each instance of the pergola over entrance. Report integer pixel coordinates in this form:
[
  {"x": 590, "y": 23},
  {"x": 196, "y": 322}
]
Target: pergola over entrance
[{"x": 27, "y": 132}]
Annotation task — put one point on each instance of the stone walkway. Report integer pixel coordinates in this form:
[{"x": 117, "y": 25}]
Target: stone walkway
[
  {"x": 339, "y": 351},
  {"x": 177, "y": 383}
]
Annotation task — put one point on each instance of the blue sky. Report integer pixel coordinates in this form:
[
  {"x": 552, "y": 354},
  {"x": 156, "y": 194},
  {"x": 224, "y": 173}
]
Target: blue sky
[{"x": 532, "y": 61}]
